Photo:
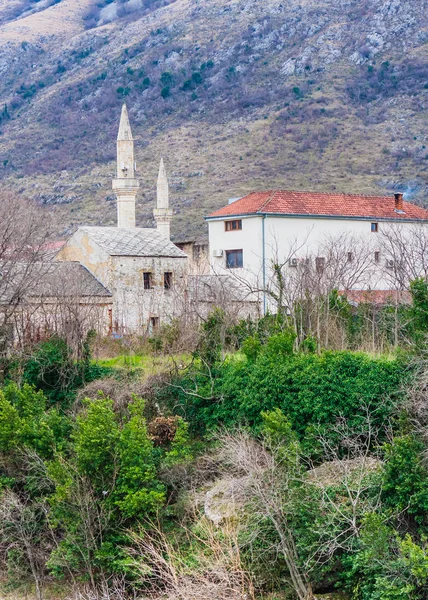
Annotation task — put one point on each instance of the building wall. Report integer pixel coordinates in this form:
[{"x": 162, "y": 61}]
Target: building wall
[
  {"x": 82, "y": 249},
  {"x": 292, "y": 236},
  {"x": 198, "y": 257},
  {"x": 134, "y": 306},
  {"x": 69, "y": 317}
]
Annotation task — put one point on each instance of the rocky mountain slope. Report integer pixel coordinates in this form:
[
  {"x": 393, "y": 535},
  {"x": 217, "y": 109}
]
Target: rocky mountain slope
[{"x": 236, "y": 95}]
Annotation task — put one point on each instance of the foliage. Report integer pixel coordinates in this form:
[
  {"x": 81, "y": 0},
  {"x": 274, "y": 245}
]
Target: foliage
[
  {"x": 309, "y": 388},
  {"x": 54, "y": 370},
  {"x": 418, "y": 313},
  {"x": 25, "y": 421},
  {"x": 405, "y": 485},
  {"x": 335, "y": 479}
]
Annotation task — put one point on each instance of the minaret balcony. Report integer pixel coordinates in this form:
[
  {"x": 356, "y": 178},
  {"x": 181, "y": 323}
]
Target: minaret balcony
[{"x": 125, "y": 184}]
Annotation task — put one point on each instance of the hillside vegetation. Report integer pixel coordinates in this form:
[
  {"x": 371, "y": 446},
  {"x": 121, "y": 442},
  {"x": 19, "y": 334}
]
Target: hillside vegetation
[{"x": 235, "y": 95}]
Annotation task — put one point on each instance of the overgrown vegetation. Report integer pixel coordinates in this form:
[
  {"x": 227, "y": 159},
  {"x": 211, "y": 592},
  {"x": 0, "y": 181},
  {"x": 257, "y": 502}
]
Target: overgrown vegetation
[{"x": 323, "y": 452}]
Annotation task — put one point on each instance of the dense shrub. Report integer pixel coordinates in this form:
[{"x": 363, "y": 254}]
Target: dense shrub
[
  {"x": 308, "y": 388},
  {"x": 53, "y": 369}
]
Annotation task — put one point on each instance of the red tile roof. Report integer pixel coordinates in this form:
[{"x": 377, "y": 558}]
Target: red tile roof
[
  {"x": 378, "y": 297},
  {"x": 321, "y": 204}
]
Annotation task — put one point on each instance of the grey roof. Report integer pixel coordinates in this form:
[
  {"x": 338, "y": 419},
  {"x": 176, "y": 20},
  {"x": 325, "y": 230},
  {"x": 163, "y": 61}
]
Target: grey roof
[
  {"x": 48, "y": 280},
  {"x": 118, "y": 241},
  {"x": 68, "y": 279}
]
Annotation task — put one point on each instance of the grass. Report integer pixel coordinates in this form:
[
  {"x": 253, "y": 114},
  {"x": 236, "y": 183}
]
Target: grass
[{"x": 145, "y": 364}]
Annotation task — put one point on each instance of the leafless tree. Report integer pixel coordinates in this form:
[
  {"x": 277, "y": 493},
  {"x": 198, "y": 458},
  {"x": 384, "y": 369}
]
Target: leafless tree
[
  {"x": 161, "y": 565},
  {"x": 405, "y": 253},
  {"x": 347, "y": 484},
  {"x": 24, "y": 233},
  {"x": 300, "y": 283},
  {"x": 20, "y": 525},
  {"x": 67, "y": 302},
  {"x": 272, "y": 475}
]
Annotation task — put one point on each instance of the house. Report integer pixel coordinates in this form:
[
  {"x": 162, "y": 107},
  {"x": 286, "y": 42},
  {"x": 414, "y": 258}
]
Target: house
[
  {"x": 47, "y": 297},
  {"x": 300, "y": 230}
]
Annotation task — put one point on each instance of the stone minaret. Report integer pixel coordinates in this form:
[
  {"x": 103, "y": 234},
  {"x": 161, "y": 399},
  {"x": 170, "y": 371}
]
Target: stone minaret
[
  {"x": 162, "y": 212},
  {"x": 125, "y": 185}
]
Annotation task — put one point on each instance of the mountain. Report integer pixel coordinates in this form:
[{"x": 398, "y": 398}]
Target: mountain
[{"x": 236, "y": 95}]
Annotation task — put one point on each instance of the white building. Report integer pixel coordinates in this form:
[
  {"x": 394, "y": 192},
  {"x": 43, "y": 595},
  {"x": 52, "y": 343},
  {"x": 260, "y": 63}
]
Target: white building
[{"x": 251, "y": 234}]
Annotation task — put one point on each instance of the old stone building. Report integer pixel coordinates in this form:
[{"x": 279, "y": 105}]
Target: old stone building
[{"x": 142, "y": 269}]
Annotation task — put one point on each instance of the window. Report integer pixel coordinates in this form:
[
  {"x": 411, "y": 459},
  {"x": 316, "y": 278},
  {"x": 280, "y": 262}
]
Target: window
[
  {"x": 147, "y": 277},
  {"x": 377, "y": 256},
  {"x": 153, "y": 324},
  {"x": 167, "y": 280},
  {"x": 350, "y": 257},
  {"x": 375, "y": 227},
  {"x": 320, "y": 264},
  {"x": 234, "y": 259},
  {"x": 233, "y": 225}
]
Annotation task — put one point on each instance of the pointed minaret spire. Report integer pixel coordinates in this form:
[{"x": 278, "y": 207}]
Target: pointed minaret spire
[
  {"x": 162, "y": 213},
  {"x": 125, "y": 132},
  {"x": 125, "y": 185}
]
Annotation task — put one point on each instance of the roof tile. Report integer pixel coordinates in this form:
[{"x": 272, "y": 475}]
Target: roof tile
[
  {"x": 321, "y": 204},
  {"x": 118, "y": 241}
]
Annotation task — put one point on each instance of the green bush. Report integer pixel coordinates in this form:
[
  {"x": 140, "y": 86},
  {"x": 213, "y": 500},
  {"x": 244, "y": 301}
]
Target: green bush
[
  {"x": 166, "y": 92},
  {"x": 52, "y": 369},
  {"x": 405, "y": 484},
  {"x": 309, "y": 388}
]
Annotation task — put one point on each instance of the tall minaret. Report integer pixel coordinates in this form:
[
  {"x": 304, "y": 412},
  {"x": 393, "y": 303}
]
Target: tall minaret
[
  {"x": 162, "y": 212},
  {"x": 125, "y": 185}
]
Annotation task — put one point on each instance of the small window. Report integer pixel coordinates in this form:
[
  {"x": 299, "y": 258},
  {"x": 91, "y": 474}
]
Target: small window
[
  {"x": 153, "y": 324},
  {"x": 377, "y": 256},
  {"x": 167, "y": 280},
  {"x": 234, "y": 259},
  {"x": 375, "y": 227},
  {"x": 233, "y": 225},
  {"x": 320, "y": 263},
  {"x": 147, "y": 281},
  {"x": 350, "y": 257}
]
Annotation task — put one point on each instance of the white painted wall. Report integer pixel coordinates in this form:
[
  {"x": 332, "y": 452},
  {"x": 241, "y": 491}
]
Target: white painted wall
[{"x": 293, "y": 236}]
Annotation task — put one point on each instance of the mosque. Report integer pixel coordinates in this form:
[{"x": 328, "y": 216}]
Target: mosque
[{"x": 138, "y": 270}]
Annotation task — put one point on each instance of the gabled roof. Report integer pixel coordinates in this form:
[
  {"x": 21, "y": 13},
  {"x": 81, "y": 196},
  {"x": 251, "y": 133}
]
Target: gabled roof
[
  {"x": 63, "y": 279},
  {"x": 322, "y": 205},
  {"x": 118, "y": 241},
  {"x": 49, "y": 280}
]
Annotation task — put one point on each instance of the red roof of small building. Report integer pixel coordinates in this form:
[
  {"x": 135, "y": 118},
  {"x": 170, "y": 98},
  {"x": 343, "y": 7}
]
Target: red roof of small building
[
  {"x": 377, "y": 297},
  {"x": 321, "y": 204}
]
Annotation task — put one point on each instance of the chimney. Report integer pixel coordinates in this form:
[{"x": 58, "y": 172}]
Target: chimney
[{"x": 399, "y": 201}]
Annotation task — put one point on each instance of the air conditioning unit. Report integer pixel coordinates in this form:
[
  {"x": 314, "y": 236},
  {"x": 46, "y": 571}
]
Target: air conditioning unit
[
  {"x": 390, "y": 263},
  {"x": 217, "y": 253},
  {"x": 293, "y": 262}
]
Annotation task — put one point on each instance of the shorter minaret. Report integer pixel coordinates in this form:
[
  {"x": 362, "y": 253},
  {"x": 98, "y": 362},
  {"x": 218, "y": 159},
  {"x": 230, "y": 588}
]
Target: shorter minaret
[
  {"x": 162, "y": 213},
  {"x": 125, "y": 185}
]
